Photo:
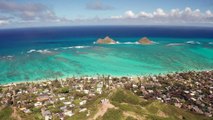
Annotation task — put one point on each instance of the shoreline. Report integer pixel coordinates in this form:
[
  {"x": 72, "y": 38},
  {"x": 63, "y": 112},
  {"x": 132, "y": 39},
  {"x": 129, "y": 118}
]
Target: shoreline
[
  {"x": 100, "y": 75},
  {"x": 191, "y": 90}
]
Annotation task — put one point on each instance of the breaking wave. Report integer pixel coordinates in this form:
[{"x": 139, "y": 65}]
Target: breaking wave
[
  {"x": 30, "y": 51},
  {"x": 77, "y": 47},
  {"x": 9, "y": 57},
  {"x": 45, "y": 51},
  {"x": 175, "y": 44},
  {"x": 117, "y": 42},
  {"x": 130, "y": 43},
  {"x": 193, "y": 42}
]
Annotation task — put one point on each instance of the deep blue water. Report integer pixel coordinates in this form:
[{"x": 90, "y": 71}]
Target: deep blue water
[{"x": 16, "y": 40}]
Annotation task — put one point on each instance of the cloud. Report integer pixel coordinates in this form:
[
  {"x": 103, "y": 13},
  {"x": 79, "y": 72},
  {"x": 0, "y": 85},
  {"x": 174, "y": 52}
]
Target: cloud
[
  {"x": 4, "y": 22},
  {"x": 159, "y": 12},
  {"x": 36, "y": 14},
  {"x": 174, "y": 16},
  {"x": 98, "y": 5},
  {"x": 28, "y": 12},
  {"x": 130, "y": 14}
]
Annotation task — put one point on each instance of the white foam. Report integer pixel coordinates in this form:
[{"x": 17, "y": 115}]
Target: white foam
[
  {"x": 44, "y": 51},
  {"x": 193, "y": 42},
  {"x": 65, "y": 48},
  {"x": 30, "y": 51},
  {"x": 7, "y": 57},
  {"x": 130, "y": 43},
  {"x": 78, "y": 47},
  {"x": 117, "y": 42},
  {"x": 137, "y": 43},
  {"x": 175, "y": 44}
]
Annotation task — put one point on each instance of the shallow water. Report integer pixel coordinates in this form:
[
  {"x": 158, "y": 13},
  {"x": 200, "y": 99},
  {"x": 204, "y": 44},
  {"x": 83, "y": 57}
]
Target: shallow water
[{"x": 60, "y": 58}]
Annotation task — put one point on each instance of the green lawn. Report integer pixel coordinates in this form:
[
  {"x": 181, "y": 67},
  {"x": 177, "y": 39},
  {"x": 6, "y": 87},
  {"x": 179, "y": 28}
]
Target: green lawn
[
  {"x": 151, "y": 110},
  {"x": 5, "y": 113},
  {"x": 113, "y": 114}
]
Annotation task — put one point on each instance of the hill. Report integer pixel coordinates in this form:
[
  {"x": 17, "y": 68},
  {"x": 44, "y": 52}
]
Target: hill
[{"x": 122, "y": 105}]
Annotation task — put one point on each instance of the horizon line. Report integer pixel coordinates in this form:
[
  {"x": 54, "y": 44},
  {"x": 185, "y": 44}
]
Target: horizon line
[{"x": 59, "y": 26}]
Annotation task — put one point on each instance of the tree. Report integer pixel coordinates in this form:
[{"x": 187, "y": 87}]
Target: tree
[
  {"x": 64, "y": 90},
  {"x": 1, "y": 89}
]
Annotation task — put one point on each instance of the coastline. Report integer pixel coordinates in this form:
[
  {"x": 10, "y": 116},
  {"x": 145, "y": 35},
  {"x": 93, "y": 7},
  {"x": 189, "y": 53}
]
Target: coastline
[
  {"x": 100, "y": 75},
  {"x": 190, "y": 90}
]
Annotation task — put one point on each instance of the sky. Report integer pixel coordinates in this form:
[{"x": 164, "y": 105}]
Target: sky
[{"x": 36, "y": 13}]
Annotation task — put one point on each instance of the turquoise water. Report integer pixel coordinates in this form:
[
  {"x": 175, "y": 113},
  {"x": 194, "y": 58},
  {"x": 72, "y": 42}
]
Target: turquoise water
[{"x": 120, "y": 59}]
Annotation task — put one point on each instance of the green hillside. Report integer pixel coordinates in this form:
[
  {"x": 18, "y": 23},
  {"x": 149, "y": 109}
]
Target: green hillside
[
  {"x": 133, "y": 107},
  {"x": 123, "y": 105}
]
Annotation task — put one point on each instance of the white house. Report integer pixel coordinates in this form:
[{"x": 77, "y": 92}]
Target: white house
[
  {"x": 83, "y": 102},
  {"x": 62, "y": 98},
  {"x": 83, "y": 110},
  {"x": 99, "y": 90},
  {"x": 37, "y": 104},
  {"x": 68, "y": 113},
  {"x": 67, "y": 103}
]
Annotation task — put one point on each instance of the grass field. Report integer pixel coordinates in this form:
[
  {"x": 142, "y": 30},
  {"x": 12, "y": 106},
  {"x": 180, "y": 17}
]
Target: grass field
[{"x": 5, "y": 113}]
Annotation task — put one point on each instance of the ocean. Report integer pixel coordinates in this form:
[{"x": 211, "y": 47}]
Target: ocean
[{"x": 33, "y": 54}]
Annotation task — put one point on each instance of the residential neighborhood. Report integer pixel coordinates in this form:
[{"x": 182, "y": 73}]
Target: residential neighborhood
[{"x": 65, "y": 98}]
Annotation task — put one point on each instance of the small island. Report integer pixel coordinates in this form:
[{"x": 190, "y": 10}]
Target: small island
[
  {"x": 145, "y": 41},
  {"x": 106, "y": 40}
]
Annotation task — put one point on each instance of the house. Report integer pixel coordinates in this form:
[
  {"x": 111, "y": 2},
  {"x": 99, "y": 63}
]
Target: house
[
  {"x": 46, "y": 114},
  {"x": 42, "y": 98},
  {"x": 61, "y": 116},
  {"x": 100, "y": 85},
  {"x": 134, "y": 86},
  {"x": 22, "y": 109},
  {"x": 105, "y": 101},
  {"x": 88, "y": 114},
  {"x": 67, "y": 103},
  {"x": 27, "y": 111},
  {"x": 86, "y": 91},
  {"x": 193, "y": 99},
  {"x": 63, "y": 108},
  {"x": 83, "y": 110},
  {"x": 8, "y": 94},
  {"x": 83, "y": 102},
  {"x": 62, "y": 98},
  {"x": 178, "y": 105},
  {"x": 72, "y": 105},
  {"x": 37, "y": 104},
  {"x": 68, "y": 113},
  {"x": 99, "y": 90},
  {"x": 1, "y": 95},
  {"x": 46, "y": 91}
]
